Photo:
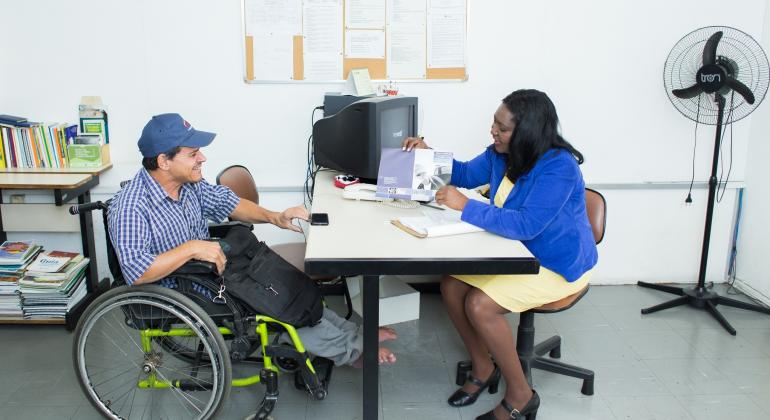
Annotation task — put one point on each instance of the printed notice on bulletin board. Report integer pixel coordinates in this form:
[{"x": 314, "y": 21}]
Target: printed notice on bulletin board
[{"x": 322, "y": 40}]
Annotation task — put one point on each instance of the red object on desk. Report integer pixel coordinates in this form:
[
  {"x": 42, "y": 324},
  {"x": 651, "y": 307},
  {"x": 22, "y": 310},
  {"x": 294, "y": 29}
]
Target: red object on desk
[{"x": 342, "y": 181}]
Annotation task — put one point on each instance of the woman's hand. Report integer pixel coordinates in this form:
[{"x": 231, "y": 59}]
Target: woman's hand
[
  {"x": 414, "y": 143},
  {"x": 286, "y": 217},
  {"x": 450, "y": 197}
]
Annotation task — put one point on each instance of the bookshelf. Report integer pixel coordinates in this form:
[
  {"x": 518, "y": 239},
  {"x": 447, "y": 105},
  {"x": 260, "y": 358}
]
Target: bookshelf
[{"x": 66, "y": 184}]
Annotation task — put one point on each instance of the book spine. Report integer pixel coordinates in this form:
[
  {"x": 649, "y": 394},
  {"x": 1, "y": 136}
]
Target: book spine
[
  {"x": 54, "y": 133},
  {"x": 23, "y": 148},
  {"x": 47, "y": 146},
  {"x": 14, "y": 148},
  {"x": 2, "y": 149}
]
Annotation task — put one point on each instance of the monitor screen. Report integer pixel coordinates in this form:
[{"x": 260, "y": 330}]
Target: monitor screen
[
  {"x": 350, "y": 140},
  {"x": 394, "y": 126}
]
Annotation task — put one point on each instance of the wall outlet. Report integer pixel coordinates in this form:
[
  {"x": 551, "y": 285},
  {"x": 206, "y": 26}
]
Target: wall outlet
[{"x": 17, "y": 198}]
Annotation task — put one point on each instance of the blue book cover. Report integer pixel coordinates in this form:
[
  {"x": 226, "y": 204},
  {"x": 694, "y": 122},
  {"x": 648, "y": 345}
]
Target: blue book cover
[{"x": 11, "y": 119}]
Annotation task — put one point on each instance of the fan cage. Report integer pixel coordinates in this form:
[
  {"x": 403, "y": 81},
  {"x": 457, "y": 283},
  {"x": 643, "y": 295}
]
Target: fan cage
[{"x": 686, "y": 58}]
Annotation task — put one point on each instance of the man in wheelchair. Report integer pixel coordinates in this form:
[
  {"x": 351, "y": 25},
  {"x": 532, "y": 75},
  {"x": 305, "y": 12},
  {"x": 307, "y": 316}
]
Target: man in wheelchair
[{"x": 159, "y": 222}]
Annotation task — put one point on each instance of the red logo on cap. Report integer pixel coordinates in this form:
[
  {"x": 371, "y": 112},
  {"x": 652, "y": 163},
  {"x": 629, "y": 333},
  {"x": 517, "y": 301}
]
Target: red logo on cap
[{"x": 186, "y": 124}]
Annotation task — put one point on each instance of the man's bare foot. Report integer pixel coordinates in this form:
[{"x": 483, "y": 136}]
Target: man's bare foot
[
  {"x": 383, "y": 356},
  {"x": 386, "y": 333},
  {"x": 386, "y": 356}
]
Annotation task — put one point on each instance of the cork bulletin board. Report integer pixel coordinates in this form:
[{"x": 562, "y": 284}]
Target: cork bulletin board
[{"x": 322, "y": 40}]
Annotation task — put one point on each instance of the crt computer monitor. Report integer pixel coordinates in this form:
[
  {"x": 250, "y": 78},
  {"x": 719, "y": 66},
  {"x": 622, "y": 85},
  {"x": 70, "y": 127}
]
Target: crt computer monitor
[{"x": 350, "y": 141}]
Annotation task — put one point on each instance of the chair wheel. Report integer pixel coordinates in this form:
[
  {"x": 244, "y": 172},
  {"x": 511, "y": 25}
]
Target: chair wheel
[
  {"x": 319, "y": 394},
  {"x": 463, "y": 368},
  {"x": 555, "y": 353}
]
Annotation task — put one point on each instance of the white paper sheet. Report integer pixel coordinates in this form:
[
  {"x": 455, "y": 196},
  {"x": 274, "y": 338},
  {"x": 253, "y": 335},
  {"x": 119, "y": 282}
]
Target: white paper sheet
[
  {"x": 273, "y": 16},
  {"x": 321, "y": 28},
  {"x": 446, "y": 33},
  {"x": 365, "y": 14},
  {"x": 406, "y": 48},
  {"x": 363, "y": 43},
  {"x": 273, "y": 59}
]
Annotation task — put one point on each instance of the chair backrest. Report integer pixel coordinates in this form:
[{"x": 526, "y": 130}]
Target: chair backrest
[
  {"x": 239, "y": 179},
  {"x": 596, "y": 207}
]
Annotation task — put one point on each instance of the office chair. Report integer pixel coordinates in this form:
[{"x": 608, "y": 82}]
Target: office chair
[
  {"x": 531, "y": 355},
  {"x": 239, "y": 180}
]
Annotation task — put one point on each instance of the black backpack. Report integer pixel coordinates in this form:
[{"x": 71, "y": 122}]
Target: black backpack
[{"x": 266, "y": 283}]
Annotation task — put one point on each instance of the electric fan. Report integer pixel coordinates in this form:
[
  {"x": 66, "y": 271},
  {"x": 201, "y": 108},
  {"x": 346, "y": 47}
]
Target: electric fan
[{"x": 712, "y": 72}]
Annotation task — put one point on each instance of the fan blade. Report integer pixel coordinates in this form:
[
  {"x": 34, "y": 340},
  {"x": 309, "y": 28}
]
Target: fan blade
[
  {"x": 710, "y": 50},
  {"x": 742, "y": 89},
  {"x": 688, "y": 93}
]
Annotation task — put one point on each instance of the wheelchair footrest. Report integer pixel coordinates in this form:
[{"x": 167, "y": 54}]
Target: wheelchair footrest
[{"x": 316, "y": 384}]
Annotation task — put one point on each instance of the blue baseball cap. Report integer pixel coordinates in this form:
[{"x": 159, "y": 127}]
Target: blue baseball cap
[{"x": 167, "y": 131}]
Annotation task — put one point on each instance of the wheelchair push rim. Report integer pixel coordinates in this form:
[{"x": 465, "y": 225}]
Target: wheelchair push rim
[{"x": 126, "y": 373}]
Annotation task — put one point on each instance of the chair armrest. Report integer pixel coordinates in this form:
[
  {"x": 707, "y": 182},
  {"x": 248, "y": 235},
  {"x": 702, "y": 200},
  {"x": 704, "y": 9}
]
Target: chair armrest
[{"x": 196, "y": 267}]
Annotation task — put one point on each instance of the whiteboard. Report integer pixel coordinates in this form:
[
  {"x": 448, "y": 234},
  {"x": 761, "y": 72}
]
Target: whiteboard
[{"x": 305, "y": 41}]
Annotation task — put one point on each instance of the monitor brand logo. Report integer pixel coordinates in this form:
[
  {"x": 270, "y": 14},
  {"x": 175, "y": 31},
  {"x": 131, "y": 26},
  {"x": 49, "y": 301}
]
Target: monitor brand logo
[
  {"x": 711, "y": 78},
  {"x": 399, "y": 133}
]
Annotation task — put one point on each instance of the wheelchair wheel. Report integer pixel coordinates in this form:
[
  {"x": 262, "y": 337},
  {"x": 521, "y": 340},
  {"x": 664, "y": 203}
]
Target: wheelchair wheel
[{"x": 127, "y": 374}]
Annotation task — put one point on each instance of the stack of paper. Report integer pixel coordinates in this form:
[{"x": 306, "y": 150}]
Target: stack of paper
[
  {"x": 15, "y": 256},
  {"x": 10, "y": 304},
  {"x": 52, "y": 294}
]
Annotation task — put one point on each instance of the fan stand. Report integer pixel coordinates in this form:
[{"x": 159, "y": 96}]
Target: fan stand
[{"x": 699, "y": 296}]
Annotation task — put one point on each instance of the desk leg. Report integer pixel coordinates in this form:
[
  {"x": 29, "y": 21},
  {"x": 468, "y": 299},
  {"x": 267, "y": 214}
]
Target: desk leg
[{"x": 371, "y": 309}]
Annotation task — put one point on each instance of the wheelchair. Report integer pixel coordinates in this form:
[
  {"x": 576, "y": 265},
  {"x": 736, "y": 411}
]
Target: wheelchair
[{"x": 150, "y": 351}]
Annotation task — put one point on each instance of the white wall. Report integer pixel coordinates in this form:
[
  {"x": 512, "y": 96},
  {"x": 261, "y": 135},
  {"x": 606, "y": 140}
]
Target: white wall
[
  {"x": 600, "y": 61},
  {"x": 753, "y": 266}
]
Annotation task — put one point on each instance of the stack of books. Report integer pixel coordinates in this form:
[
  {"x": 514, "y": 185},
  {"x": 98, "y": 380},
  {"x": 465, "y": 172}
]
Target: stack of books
[
  {"x": 15, "y": 256},
  {"x": 10, "y": 304},
  {"x": 27, "y": 144},
  {"x": 53, "y": 284}
]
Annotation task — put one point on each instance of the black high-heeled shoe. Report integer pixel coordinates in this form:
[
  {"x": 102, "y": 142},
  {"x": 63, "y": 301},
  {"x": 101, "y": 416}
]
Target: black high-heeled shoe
[
  {"x": 461, "y": 398},
  {"x": 529, "y": 412}
]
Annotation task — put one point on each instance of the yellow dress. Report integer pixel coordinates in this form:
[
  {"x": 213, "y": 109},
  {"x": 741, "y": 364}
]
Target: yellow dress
[{"x": 521, "y": 292}]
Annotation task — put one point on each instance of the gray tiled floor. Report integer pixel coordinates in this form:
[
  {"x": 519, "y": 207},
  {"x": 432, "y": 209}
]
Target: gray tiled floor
[{"x": 676, "y": 364}]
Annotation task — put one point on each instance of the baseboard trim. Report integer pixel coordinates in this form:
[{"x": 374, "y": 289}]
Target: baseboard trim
[{"x": 751, "y": 292}]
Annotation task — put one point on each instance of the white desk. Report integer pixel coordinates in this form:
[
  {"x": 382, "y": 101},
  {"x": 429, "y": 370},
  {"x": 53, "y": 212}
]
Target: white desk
[{"x": 360, "y": 240}]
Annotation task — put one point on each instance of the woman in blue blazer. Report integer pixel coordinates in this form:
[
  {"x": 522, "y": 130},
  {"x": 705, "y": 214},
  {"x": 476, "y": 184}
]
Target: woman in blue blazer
[{"x": 537, "y": 197}]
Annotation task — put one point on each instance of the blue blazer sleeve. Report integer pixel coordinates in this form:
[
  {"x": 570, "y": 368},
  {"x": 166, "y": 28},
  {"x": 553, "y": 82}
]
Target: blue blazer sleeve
[
  {"x": 552, "y": 185},
  {"x": 473, "y": 173}
]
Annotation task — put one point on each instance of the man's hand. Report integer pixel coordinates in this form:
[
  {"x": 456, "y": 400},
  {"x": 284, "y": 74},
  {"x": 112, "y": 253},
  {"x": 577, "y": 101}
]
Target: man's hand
[
  {"x": 209, "y": 251},
  {"x": 450, "y": 197},
  {"x": 414, "y": 143},
  {"x": 285, "y": 218}
]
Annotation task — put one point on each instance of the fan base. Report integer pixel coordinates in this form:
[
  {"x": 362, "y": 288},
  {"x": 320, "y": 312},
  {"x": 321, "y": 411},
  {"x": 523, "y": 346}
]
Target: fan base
[{"x": 701, "y": 298}]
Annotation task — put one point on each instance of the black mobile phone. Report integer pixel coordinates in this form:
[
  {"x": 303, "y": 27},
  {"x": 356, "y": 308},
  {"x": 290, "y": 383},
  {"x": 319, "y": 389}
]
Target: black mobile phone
[{"x": 321, "y": 219}]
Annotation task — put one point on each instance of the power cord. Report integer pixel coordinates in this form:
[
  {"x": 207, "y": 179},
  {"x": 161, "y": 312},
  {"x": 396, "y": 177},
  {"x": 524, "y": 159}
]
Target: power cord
[
  {"x": 688, "y": 200},
  {"x": 311, "y": 169},
  {"x": 730, "y": 166}
]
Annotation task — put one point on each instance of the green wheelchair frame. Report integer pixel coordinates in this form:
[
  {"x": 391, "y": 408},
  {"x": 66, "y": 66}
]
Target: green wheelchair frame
[{"x": 111, "y": 367}]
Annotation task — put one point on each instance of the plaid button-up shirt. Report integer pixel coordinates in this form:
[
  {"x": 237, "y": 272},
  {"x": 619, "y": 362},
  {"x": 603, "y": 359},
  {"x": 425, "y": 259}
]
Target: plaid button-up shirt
[{"x": 145, "y": 222}]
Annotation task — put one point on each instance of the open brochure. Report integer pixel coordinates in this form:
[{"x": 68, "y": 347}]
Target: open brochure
[
  {"x": 444, "y": 222},
  {"x": 414, "y": 175}
]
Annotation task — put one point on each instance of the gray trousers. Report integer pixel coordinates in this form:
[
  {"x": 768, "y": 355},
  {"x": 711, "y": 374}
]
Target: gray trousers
[{"x": 334, "y": 338}]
